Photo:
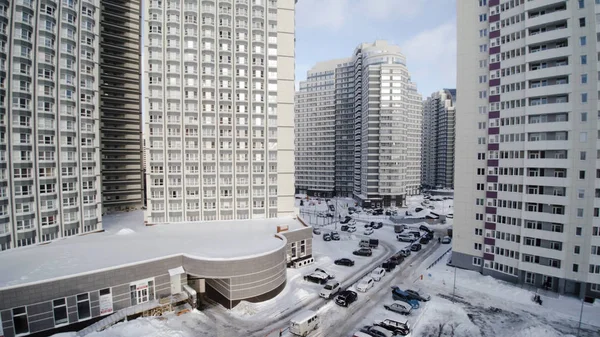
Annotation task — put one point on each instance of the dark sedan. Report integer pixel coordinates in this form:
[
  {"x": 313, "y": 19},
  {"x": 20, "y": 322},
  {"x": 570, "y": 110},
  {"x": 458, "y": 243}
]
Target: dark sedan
[
  {"x": 416, "y": 247},
  {"x": 345, "y": 298},
  {"x": 344, "y": 262}
]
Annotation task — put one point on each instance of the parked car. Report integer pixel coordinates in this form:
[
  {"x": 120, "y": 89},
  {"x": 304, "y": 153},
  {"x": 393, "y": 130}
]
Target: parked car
[
  {"x": 363, "y": 252},
  {"x": 415, "y": 247},
  {"x": 405, "y": 252},
  {"x": 378, "y": 211},
  {"x": 388, "y": 213},
  {"x": 335, "y": 236},
  {"x": 321, "y": 215},
  {"x": 330, "y": 290},
  {"x": 365, "y": 284},
  {"x": 351, "y": 229},
  {"x": 418, "y": 209},
  {"x": 429, "y": 236},
  {"x": 397, "y": 328},
  {"x": 431, "y": 207},
  {"x": 316, "y": 231},
  {"x": 418, "y": 296},
  {"x": 368, "y": 231},
  {"x": 399, "y": 307},
  {"x": 446, "y": 240},
  {"x": 399, "y": 228},
  {"x": 378, "y": 225},
  {"x": 376, "y": 331},
  {"x": 388, "y": 265},
  {"x": 319, "y": 276},
  {"x": 424, "y": 241},
  {"x": 416, "y": 234},
  {"x": 346, "y": 219},
  {"x": 329, "y": 215},
  {"x": 405, "y": 237},
  {"x": 397, "y": 258},
  {"x": 370, "y": 225},
  {"x": 303, "y": 323},
  {"x": 345, "y": 298},
  {"x": 332, "y": 208},
  {"x": 400, "y": 295},
  {"x": 425, "y": 229},
  {"x": 377, "y": 274},
  {"x": 344, "y": 228},
  {"x": 326, "y": 237},
  {"x": 344, "y": 262}
]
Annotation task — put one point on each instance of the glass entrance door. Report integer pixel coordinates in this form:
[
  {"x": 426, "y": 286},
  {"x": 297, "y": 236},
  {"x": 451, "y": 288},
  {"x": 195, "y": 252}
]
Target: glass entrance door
[{"x": 142, "y": 295}]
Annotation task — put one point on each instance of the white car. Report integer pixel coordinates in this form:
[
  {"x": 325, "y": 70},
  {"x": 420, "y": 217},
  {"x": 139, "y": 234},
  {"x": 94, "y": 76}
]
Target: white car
[
  {"x": 365, "y": 284},
  {"x": 377, "y": 274},
  {"x": 330, "y": 290},
  {"x": 369, "y": 231},
  {"x": 351, "y": 229}
]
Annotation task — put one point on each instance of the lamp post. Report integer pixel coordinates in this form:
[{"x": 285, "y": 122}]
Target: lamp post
[{"x": 581, "y": 311}]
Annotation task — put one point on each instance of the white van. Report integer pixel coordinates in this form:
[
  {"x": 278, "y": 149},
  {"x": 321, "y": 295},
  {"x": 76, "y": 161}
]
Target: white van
[{"x": 303, "y": 323}]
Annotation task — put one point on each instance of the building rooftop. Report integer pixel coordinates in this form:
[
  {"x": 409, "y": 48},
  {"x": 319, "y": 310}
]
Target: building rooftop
[{"x": 126, "y": 240}]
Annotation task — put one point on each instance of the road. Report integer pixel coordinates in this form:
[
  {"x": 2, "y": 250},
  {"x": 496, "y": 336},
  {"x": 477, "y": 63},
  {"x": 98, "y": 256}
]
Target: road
[
  {"x": 376, "y": 296},
  {"x": 282, "y": 322}
]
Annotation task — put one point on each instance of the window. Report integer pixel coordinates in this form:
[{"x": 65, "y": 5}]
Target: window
[
  {"x": 583, "y": 137},
  {"x": 583, "y": 59},
  {"x": 580, "y": 193},
  {"x": 584, "y": 97},
  {"x": 575, "y": 268},
  {"x": 582, "y": 41},
  {"x": 60, "y": 312},
  {"x": 576, "y": 250},
  {"x": 581, "y": 22},
  {"x": 578, "y": 230},
  {"x": 581, "y": 3},
  {"x": 83, "y": 306},
  {"x": 477, "y": 261},
  {"x": 20, "y": 322},
  {"x": 583, "y": 116},
  {"x": 583, "y": 78},
  {"x": 582, "y": 174}
]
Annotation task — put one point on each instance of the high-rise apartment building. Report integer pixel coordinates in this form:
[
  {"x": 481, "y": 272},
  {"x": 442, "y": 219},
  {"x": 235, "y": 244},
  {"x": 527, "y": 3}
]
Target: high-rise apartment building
[
  {"x": 220, "y": 97},
  {"x": 49, "y": 120},
  {"x": 527, "y": 170},
  {"x": 358, "y": 128},
  {"x": 437, "y": 156},
  {"x": 120, "y": 105}
]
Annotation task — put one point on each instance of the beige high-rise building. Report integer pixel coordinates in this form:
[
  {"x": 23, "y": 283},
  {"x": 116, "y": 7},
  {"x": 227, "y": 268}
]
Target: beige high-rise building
[
  {"x": 527, "y": 205},
  {"x": 50, "y": 184},
  {"x": 358, "y": 128},
  {"x": 219, "y": 124}
]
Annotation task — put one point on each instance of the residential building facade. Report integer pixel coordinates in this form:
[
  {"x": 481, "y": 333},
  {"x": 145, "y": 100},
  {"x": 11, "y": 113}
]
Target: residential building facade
[
  {"x": 526, "y": 202},
  {"x": 437, "y": 155},
  {"x": 120, "y": 105},
  {"x": 49, "y": 121},
  {"x": 220, "y": 96},
  {"x": 358, "y": 128}
]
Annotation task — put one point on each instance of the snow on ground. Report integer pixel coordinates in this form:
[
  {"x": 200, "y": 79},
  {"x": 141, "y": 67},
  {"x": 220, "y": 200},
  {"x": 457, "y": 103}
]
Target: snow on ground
[
  {"x": 192, "y": 324},
  {"x": 126, "y": 240},
  {"x": 298, "y": 291}
]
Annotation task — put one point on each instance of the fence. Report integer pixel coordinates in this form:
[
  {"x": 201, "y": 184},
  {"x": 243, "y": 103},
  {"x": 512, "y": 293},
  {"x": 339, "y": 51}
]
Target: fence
[{"x": 439, "y": 259}]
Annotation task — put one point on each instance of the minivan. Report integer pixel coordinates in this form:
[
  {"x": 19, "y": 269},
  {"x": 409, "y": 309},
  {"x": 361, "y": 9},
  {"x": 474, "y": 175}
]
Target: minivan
[{"x": 303, "y": 323}]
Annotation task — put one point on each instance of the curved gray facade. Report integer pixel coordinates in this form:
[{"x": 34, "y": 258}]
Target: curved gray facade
[{"x": 254, "y": 278}]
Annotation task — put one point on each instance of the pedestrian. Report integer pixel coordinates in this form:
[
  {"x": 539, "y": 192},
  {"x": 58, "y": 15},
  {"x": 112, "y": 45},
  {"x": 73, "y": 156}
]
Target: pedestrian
[{"x": 439, "y": 240}]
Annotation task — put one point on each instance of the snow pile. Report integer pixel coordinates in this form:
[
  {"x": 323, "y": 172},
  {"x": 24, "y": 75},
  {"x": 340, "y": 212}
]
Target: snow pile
[
  {"x": 445, "y": 315},
  {"x": 245, "y": 308},
  {"x": 537, "y": 331},
  {"x": 126, "y": 231}
]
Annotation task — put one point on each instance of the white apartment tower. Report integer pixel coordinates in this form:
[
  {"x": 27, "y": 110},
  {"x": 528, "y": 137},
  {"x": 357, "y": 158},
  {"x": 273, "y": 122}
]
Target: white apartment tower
[
  {"x": 219, "y": 124},
  {"x": 358, "y": 128},
  {"x": 437, "y": 155},
  {"x": 527, "y": 183},
  {"x": 49, "y": 120}
]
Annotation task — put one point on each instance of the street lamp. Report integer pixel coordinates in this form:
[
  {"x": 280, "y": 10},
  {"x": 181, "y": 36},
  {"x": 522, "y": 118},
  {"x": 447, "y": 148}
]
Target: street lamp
[{"x": 581, "y": 311}]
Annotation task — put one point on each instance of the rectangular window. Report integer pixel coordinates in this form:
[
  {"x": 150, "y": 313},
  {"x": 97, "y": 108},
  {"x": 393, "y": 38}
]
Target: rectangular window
[
  {"x": 83, "y": 307},
  {"x": 60, "y": 312},
  {"x": 583, "y": 59},
  {"x": 20, "y": 322},
  {"x": 583, "y": 78},
  {"x": 582, "y": 41}
]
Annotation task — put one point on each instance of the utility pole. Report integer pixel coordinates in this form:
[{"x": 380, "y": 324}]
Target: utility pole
[
  {"x": 581, "y": 311},
  {"x": 454, "y": 286}
]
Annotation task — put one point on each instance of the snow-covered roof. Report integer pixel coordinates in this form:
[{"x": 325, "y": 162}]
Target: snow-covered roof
[{"x": 126, "y": 241}]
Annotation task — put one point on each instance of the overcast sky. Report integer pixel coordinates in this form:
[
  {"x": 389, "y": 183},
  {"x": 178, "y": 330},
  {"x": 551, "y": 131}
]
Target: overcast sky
[{"x": 424, "y": 29}]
